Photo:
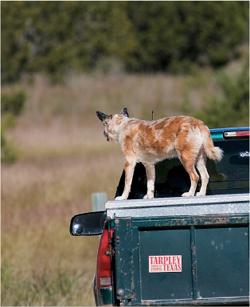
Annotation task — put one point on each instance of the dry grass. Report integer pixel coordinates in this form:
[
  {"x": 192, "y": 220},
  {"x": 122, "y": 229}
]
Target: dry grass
[
  {"x": 83, "y": 95},
  {"x": 63, "y": 159},
  {"x": 59, "y": 168}
]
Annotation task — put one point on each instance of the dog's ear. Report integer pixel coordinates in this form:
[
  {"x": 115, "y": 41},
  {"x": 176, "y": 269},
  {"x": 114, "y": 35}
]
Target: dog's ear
[
  {"x": 124, "y": 111},
  {"x": 101, "y": 115}
]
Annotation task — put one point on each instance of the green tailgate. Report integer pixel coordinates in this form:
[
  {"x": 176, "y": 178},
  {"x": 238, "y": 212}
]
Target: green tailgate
[{"x": 182, "y": 260}]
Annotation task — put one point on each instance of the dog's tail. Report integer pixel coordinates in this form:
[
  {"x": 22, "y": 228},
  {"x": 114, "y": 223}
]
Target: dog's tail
[{"x": 214, "y": 153}]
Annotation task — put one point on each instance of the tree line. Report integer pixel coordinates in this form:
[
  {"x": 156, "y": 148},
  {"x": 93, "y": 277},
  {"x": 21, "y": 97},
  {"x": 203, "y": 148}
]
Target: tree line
[{"x": 58, "y": 37}]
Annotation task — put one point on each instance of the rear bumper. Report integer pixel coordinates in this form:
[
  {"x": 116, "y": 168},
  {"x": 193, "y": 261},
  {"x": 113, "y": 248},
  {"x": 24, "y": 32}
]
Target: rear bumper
[{"x": 103, "y": 296}]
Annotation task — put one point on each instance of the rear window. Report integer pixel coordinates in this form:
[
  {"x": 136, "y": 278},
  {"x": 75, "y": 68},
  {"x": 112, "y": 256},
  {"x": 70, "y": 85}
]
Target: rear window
[{"x": 230, "y": 176}]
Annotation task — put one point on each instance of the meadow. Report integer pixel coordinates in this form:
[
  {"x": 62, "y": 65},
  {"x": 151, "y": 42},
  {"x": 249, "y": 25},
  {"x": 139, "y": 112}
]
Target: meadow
[{"x": 63, "y": 158}]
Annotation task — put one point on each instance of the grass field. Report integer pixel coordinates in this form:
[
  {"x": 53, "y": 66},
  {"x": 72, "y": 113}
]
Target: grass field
[
  {"x": 53, "y": 180},
  {"x": 63, "y": 158}
]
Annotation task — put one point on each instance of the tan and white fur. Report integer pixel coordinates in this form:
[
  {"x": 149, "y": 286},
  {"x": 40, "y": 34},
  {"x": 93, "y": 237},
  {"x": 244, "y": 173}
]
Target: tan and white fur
[{"x": 149, "y": 142}]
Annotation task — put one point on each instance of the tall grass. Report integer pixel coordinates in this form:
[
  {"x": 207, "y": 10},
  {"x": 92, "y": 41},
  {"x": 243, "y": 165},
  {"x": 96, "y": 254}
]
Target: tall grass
[
  {"x": 60, "y": 165},
  {"x": 83, "y": 95},
  {"x": 63, "y": 159},
  {"x": 44, "y": 267},
  {"x": 41, "y": 263}
]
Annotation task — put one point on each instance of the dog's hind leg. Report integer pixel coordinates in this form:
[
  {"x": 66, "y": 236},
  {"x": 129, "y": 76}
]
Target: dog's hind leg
[
  {"x": 201, "y": 166},
  {"x": 188, "y": 161},
  {"x": 129, "y": 171},
  {"x": 150, "y": 171}
]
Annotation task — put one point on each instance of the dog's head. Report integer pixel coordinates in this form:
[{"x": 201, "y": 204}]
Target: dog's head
[{"x": 112, "y": 123}]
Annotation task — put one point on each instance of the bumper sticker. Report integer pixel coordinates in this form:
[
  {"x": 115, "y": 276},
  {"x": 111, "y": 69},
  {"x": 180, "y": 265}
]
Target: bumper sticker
[{"x": 167, "y": 263}]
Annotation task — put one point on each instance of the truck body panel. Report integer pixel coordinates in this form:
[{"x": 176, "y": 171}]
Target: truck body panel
[{"x": 182, "y": 251}]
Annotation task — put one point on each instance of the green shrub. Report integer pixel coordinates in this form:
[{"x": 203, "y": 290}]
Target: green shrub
[
  {"x": 8, "y": 151},
  {"x": 14, "y": 103},
  {"x": 143, "y": 35},
  {"x": 11, "y": 106},
  {"x": 232, "y": 109}
]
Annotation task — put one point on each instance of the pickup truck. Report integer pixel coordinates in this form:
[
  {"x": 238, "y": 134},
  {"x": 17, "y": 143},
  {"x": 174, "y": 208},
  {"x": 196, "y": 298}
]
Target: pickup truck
[{"x": 174, "y": 250}]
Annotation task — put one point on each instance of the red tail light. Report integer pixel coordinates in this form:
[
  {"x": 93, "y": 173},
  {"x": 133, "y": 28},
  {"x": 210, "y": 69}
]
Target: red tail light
[
  {"x": 243, "y": 133},
  {"x": 229, "y": 134},
  {"x": 103, "y": 273}
]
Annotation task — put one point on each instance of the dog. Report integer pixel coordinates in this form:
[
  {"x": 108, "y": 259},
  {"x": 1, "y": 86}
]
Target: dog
[{"x": 150, "y": 142}]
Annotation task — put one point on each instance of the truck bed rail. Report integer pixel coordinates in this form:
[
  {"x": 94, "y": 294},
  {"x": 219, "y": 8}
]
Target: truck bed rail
[{"x": 179, "y": 206}]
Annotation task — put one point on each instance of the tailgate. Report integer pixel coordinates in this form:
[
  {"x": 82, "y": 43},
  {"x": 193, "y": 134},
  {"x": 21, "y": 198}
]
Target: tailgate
[{"x": 197, "y": 255}]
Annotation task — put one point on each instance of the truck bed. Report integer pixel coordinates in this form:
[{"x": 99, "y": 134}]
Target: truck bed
[{"x": 181, "y": 251}]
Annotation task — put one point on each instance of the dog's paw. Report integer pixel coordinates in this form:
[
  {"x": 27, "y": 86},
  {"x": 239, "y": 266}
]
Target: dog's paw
[
  {"x": 148, "y": 196},
  {"x": 199, "y": 194},
  {"x": 120, "y": 198},
  {"x": 187, "y": 194}
]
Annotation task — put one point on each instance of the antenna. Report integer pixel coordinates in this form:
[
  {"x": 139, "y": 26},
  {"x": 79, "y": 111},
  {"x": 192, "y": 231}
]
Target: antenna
[{"x": 152, "y": 115}]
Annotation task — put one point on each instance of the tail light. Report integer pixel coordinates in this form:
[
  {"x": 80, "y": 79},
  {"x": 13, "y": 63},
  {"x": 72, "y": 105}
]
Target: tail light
[
  {"x": 103, "y": 272},
  {"x": 229, "y": 134},
  {"x": 242, "y": 133}
]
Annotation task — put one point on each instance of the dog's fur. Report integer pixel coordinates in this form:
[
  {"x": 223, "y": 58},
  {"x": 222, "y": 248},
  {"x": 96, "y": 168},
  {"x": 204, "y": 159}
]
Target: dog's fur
[{"x": 149, "y": 142}]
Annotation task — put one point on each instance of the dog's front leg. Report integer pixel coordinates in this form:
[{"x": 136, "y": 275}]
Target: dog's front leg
[
  {"x": 129, "y": 171},
  {"x": 150, "y": 171}
]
